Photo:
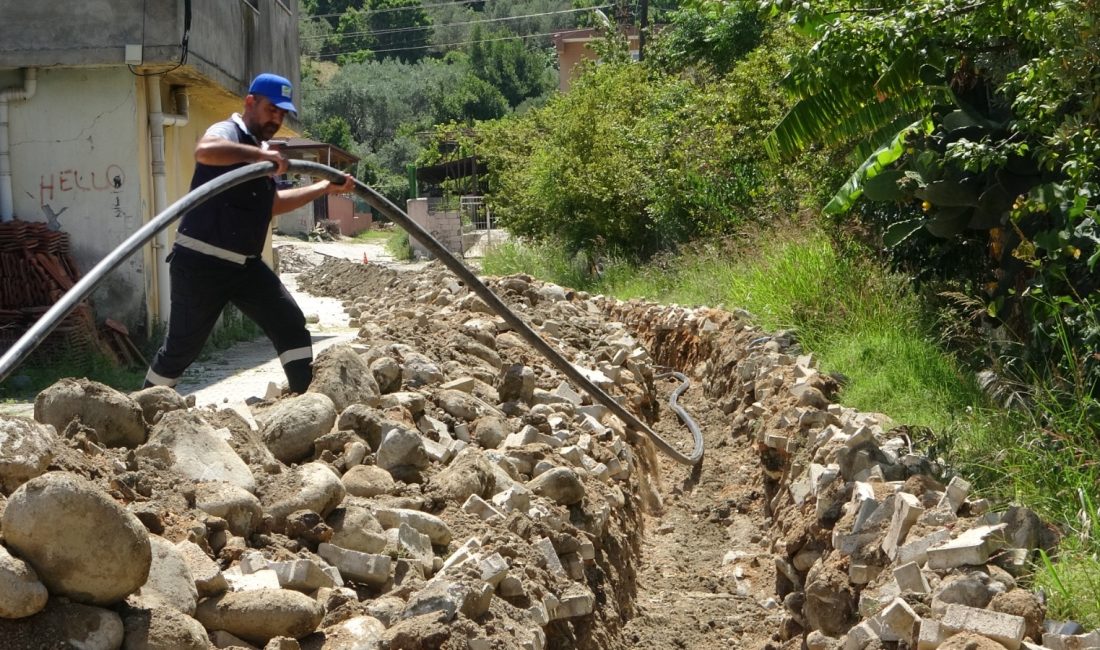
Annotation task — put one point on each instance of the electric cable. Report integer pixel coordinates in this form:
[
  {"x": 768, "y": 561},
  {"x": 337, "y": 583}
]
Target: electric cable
[{"x": 38, "y": 332}]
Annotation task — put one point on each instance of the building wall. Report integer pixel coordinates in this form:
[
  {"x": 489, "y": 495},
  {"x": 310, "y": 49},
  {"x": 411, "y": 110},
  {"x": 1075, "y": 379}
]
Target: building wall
[
  {"x": 230, "y": 41},
  {"x": 445, "y": 227},
  {"x": 573, "y": 52},
  {"x": 76, "y": 166}
]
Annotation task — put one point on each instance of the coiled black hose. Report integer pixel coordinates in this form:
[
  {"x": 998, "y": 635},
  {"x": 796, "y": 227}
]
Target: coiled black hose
[{"x": 22, "y": 348}]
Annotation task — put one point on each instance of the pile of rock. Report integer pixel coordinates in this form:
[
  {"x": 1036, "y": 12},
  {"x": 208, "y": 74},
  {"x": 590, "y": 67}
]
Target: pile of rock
[
  {"x": 437, "y": 486},
  {"x": 871, "y": 549}
]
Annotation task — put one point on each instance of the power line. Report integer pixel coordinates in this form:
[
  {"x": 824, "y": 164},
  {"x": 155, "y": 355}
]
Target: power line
[
  {"x": 468, "y": 22},
  {"x": 370, "y": 12},
  {"x": 426, "y": 47}
]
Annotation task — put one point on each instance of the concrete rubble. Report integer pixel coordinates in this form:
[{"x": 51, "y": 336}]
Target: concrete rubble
[
  {"x": 442, "y": 486},
  {"x": 871, "y": 549}
]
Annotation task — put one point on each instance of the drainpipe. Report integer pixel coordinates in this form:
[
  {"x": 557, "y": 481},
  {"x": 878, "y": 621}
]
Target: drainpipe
[
  {"x": 158, "y": 119},
  {"x": 7, "y": 95}
]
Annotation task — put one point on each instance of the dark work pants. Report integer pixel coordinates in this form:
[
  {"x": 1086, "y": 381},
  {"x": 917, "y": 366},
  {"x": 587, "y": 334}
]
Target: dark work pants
[{"x": 201, "y": 286}]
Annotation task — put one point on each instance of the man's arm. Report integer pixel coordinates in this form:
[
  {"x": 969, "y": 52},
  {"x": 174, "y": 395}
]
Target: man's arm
[
  {"x": 220, "y": 152},
  {"x": 296, "y": 197}
]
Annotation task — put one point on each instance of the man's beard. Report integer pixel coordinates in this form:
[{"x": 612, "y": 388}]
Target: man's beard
[{"x": 268, "y": 131}]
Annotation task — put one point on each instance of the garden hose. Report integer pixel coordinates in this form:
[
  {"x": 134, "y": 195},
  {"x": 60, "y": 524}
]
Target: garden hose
[{"x": 38, "y": 332}]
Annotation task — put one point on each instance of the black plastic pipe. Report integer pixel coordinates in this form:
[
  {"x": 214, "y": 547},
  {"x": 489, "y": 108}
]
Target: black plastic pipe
[{"x": 22, "y": 348}]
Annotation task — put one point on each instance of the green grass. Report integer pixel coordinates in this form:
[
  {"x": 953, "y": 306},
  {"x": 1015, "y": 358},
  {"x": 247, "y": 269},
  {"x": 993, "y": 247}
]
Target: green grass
[
  {"x": 376, "y": 235},
  {"x": 34, "y": 376},
  {"x": 39, "y": 373},
  {"x": 399, "y": 246}
]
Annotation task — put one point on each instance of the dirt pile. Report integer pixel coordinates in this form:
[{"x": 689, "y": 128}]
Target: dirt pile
[{"x": 440, "y": 486}]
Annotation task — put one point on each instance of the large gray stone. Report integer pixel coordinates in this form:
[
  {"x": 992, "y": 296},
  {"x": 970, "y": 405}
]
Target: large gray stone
[
  {"x": 155, "y": 401},
  {"x": 237, "y": 506},
  {"x": 342, "y": 374},
  {"x": 434, "y": 527},
  {"x": 418, "y": 370},
  {"x": 560, "y": 484},
  {"x": 162, "y": 628},
  {"x": 21, "y": 592},
  {"x": 196, "y": 451},
  {"x": 401, "y": 448},
  {"x": 116, "y": 419},
  {"x": 469, "y": 473},
  {"x": 262, "y": 614},
  {"x": 387, "y": 373},
  {"x": 517, "y": 383},
  {"x": 458, "y": 404},
  {"x": 490, "y": 431},
  {"x": 290, "y": 427},
  {"x": 355, "y": 528},
  {"x": 368, "y": 481},
  {"x": 26, "y": 449},
  {"x": 209, "y": 580},
  {"x": 359, "y": 633},
  {"x": 81, "y": 543},
  {"x": 170, "y": 583},
  {"x": 313, "y": 486},
  {"x": 64, "y": 624}
]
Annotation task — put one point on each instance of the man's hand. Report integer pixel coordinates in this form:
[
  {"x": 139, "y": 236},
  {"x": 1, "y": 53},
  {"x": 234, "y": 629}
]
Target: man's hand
[
  {"x": 272, "y": 155},
  {"x": 337, "y": 188}
]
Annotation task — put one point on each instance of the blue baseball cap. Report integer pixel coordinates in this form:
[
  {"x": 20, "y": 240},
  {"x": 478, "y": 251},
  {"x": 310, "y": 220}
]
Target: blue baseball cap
[{"x": 275, "y": 88}]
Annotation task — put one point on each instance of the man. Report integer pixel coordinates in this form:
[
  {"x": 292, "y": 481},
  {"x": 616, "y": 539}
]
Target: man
[{"x": 216, "y": 257}]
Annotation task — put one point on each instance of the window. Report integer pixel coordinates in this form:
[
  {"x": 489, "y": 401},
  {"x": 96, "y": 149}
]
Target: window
[
  {"x": 255, "y": 4},
  {"x": 285, "y": 7}
]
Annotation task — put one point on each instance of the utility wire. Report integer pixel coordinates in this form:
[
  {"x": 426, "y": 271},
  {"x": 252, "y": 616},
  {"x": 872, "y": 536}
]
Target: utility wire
[
  {"x": 371, "y": 12},
  {"x": 469, "y": 22},
  {"x": 441, "y": 45},
  {"x": 386, "y": 10}
]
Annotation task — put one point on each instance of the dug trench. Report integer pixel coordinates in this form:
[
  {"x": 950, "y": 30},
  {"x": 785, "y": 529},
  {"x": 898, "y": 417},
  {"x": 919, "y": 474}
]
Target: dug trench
[{"x": 441, "y": 486}]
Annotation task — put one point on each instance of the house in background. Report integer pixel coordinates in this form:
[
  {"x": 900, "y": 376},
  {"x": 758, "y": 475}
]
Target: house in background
[
  {"x": 330, "y": 207},
  {"x": 101, "y": 104},
  {"x": 574, "y": 46}
]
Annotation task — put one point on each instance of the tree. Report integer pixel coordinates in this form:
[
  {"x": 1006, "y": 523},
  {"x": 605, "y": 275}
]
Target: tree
[
  {"x": 400, "y": 28},
  {"x": 977, "y": 121},
  {"x": 517, "y": 72}
]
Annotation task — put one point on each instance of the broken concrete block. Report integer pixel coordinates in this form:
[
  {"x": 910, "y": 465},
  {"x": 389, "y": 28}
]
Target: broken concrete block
[
  {"x": 860, "y": 636},
  {"x": 973, "y": 547},
  {"x": 576, "y": 600},
  {"x": 262, "y": 579},
  {"x": 464, "y": 384},
  {"x": 481, "y": 508},
  {"x": 367, "y": 568},
  {"x": 549, "y": 556},
  {"x": 917, "y": 550},
  {"x": 1072, "y": 641},
  {"x": 898, "y": 622},
  {"x": 861, "y": 574},
  {"x": 930, "y": 635},
  {"x": 302, "y": 575},
  {"x": 514, "y": 498},
  {"x": 911, "y": 579},
  {"x": 1006, "y": 629},
  {"x": 907, "y": 510},
  {"x": 464, "y": 554},
  {"x": 493, "y": 569},
  {"x": 955, "y": 494}
]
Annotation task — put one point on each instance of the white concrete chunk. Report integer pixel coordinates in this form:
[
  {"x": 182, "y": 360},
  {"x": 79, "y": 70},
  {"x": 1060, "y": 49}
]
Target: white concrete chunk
[
  {"x": 1006, "y": 629},
  {"x": 361, "y": 567},
  {"x": 898, "y": 622},
  {"x": 973, "y": 547}
]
